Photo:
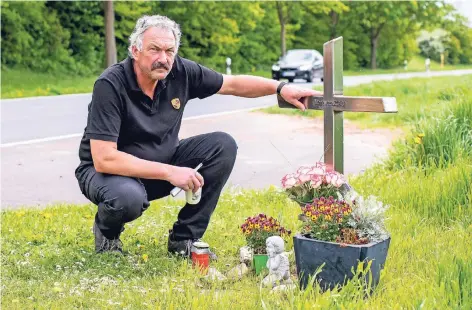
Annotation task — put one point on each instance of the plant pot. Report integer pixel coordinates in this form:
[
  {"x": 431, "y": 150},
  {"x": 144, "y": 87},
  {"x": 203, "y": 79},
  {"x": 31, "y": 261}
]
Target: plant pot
[
  {"x": 339, "y": 261},
  {"x": 260, "y": 262}
]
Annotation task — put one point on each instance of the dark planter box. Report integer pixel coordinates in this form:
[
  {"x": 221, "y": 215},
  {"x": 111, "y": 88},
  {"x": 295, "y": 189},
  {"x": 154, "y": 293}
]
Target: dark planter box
[{"x": 310, "y": 254}]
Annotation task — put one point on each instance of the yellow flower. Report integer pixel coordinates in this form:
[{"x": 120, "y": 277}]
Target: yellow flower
[
  {"x": 418, "y": 140},
  {"x": 21, "y": 213},
  {"x": 145, "y": 258},
  {"x": 421, "y": 135}
]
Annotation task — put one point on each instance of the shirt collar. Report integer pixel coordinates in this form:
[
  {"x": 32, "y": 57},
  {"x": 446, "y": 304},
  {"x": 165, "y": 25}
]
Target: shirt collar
[{"x": 131, "y": 75}]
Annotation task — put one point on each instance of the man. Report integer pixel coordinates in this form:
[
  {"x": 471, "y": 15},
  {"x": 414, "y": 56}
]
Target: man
[{"x": 130, "y": 152}]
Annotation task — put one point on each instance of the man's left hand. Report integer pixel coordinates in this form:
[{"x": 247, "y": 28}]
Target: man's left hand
[{"x": 298, "y": 96}]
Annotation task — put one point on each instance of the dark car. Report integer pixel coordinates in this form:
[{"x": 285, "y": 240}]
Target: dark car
[{"x": 299, "y": 64}]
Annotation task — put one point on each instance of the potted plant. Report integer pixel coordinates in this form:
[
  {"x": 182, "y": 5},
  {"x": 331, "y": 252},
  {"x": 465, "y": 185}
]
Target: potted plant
[
  {"x": 340, "y": 228},
  {"x": 257, "y": 229}
]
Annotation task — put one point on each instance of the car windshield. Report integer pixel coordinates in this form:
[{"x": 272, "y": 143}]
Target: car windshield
[{"x": 295, "y": 56}]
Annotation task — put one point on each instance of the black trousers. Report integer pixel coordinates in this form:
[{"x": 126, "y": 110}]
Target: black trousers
[{"x": 123, "y": 199}]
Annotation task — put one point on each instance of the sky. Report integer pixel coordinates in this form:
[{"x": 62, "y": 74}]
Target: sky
[{"x": 464, "y": 7}]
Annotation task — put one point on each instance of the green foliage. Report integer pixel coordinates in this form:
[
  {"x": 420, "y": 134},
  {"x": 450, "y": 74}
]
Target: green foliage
[
  {"x": 84, "y": 21},
  {"x": 69, "y": 36},
  {"x": 33, "y": 37}
]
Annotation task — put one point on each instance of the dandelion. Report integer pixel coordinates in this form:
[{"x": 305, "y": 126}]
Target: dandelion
[
  {"x": 418, "y": 140},
  {"x": 145, "y": 258}
]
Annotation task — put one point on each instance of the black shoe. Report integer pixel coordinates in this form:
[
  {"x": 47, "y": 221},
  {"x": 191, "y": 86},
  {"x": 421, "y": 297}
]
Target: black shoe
[
  {"x": 183, "y": 248},
  {"x": 103, "y": 244}
]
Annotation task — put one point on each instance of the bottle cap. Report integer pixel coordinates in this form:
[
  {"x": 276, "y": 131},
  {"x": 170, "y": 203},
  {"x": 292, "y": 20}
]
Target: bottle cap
[{"x": 200, "y": 245}]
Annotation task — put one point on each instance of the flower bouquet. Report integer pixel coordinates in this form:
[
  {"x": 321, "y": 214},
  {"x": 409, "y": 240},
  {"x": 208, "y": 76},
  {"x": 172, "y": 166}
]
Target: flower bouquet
[
  {"x": 313, "y": 182},
  {"x": 257, "y": 229}
]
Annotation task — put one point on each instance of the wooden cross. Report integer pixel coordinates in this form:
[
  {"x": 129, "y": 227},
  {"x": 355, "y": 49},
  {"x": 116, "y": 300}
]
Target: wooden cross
[{"x": 333, "y": 103}]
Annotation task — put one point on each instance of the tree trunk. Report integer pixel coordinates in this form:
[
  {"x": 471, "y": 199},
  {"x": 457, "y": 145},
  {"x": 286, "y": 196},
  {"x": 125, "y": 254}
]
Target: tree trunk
[
  {"x": 110, "y": 45},
  {"x": 373, "y": 53},
  {"x": 282, "y": 21},
  {"x": 283, "y": 48},
  {"x": 334, "y": 22},
  {"x": 374, "y": 39}
]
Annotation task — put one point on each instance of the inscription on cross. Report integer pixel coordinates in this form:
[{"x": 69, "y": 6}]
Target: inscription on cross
[{"x": 333, "y": 103}]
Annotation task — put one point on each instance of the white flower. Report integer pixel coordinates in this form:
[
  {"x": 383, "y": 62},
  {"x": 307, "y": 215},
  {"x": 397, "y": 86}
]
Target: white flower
[
  {"x": 302, "y": 178},
  {"x": 334, "y": 178},
  {"x": 289, "y": 181},
  {"x": 319, "y": 169},
  {"x": 303, "y": 170}
]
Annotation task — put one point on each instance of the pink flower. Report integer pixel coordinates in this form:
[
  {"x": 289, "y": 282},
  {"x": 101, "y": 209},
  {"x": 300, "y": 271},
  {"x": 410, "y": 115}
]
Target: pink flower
[
  {"x": 289, "y": 181},
  {"x": 316, "y": 180},
  {"x": 319, "y": 169},
  {"x": 304, "y": 170},
  {"x": 334, "y": 178},
  {"x": 302, "y": 178}
]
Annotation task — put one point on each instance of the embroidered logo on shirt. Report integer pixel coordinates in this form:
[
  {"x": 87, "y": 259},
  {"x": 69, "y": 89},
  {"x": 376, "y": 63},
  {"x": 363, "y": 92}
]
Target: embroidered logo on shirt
[{"x": 175, "y": 103}]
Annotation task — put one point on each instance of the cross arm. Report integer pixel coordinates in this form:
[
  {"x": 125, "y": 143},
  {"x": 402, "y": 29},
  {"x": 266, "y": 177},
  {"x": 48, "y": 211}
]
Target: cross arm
[{"x": 348, "y": 104}]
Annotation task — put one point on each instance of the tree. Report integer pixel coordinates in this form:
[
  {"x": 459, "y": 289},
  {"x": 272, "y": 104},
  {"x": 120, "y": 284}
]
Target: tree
[
  {"x": 85, "y": 23},
  {"x": 397, "y": 18},
  {"x": 33, "y": 38},
  {"x": 282, "y": 14},
  {"x": 110, "y": 44}
]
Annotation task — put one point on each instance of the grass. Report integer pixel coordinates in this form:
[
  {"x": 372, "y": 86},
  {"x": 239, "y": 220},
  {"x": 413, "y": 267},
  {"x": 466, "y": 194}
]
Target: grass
[
  {"x": 23, "y": 83},
  {"x": 416, "y": 64},
  {"x": 417, "y": 98},
  {"x": 48, "y": 260}
]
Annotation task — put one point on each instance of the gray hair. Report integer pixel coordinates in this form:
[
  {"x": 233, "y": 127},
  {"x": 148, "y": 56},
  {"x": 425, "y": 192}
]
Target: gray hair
[{"x": 145, "y": 22}]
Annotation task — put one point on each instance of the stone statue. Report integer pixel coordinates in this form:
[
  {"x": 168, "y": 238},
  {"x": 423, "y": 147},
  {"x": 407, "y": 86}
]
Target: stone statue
[
  {"x": 278, "y": 265},
  {"x": 245, "y": 259},
  {"x": 245, "y": 255}
]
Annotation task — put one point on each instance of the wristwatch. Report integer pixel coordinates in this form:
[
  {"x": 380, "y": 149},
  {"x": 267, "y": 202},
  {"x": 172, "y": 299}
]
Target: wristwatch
[{"x": 279, "y": 88}]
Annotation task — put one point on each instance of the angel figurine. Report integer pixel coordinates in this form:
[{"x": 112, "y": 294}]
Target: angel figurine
[{"x": 278, "y": 264}]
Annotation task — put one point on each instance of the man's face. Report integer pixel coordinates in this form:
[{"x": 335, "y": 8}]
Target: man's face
[{"x": 157, "y": 56}]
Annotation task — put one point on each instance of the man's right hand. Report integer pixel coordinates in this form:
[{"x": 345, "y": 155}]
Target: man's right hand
[{"x": 185, "y": 178}]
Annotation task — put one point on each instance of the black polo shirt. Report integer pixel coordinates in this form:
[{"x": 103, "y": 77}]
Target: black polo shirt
[{"x": 146, "y": 128}]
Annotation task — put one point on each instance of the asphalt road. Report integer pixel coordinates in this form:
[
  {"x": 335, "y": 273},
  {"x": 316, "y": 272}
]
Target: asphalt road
[
  {"x": 55, "y": 117},
  {"x": 40, "y": 139}
]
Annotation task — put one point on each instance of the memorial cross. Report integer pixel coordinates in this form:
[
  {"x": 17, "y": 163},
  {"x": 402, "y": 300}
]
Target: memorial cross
[{"x": 333, "y": 103}]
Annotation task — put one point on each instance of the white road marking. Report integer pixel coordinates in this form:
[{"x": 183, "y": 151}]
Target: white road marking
[{"x": 74, "y": 135}]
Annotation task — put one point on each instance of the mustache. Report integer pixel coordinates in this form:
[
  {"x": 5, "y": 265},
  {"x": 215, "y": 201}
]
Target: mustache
[{"x": 159, "y": 65}]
